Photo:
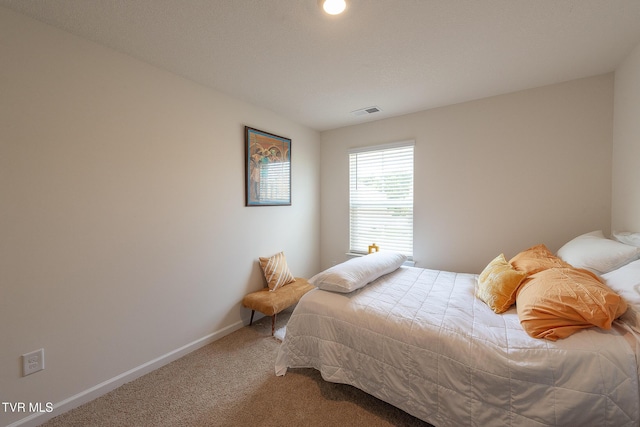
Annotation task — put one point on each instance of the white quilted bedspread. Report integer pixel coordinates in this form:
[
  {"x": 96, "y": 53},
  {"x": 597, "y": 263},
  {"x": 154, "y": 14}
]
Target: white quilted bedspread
[{"x": 420, "y": 340}]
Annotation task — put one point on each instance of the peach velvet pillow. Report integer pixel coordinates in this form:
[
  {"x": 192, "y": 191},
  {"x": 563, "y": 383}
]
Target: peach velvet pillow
[
  {"x": 536, "y": 258},
  {"x": 497, "y": 284},
  {"x": 557, "y": 302},
  {"x": 276, "y": 271}
]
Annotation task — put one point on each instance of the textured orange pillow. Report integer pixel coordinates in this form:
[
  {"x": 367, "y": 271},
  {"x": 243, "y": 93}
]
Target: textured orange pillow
[
  {"x": 276, "y": 271},
  {"x": 497, "y": 284},
  {"x": 557, "y": 302},
  {"x": 535, "y": 259}
]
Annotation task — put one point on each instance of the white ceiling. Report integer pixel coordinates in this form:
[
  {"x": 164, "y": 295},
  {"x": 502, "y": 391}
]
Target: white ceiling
[{"x": 400, "y": 55}]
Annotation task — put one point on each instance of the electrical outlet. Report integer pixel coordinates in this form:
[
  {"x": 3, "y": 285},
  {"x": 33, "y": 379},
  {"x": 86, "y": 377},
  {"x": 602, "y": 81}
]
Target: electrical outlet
[{"x": 32, "y": 362}]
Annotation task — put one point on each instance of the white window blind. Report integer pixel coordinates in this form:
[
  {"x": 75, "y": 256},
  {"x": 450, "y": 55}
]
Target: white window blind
[{"x": 381, "y": 198}]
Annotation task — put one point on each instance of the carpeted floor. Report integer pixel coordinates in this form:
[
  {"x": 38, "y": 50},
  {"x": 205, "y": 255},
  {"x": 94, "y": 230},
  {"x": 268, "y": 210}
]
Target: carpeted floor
[{"x": 231, "y": 382}]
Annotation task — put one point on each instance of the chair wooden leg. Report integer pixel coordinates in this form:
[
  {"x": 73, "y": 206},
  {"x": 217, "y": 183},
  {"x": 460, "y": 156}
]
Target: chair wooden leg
[
  {"x": 273, "y": 324},
  {"x": 251, "y": 321}
]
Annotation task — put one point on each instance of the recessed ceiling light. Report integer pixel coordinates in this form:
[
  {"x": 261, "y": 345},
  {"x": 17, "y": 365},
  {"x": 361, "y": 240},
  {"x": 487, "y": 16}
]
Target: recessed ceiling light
[{"x": 333, "y": 7}]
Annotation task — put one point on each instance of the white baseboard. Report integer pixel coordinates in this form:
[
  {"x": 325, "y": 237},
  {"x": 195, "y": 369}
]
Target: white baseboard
[{"x": 115, "y": 382}]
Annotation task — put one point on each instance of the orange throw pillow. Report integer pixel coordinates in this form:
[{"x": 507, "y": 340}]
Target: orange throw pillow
[
  {"x": 557, "y": 302},
  {"x": 535, "y": 259}
]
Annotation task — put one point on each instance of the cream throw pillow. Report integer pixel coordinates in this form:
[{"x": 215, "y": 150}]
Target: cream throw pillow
[
  {"x": 498, "y": 283},
  {"x": 276, "y": 271}
]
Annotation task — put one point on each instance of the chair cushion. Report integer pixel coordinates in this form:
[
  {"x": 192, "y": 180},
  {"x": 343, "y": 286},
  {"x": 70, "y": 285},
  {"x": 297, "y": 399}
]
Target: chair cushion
[{"x": 273, "y": 302}]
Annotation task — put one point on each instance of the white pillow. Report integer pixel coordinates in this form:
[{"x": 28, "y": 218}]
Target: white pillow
[
  {"x": 626, "y": 282},
  {"x": 596, "y": 253},
  {"x": 627, "y": 237},
  {"x": 357, "y": 272}
]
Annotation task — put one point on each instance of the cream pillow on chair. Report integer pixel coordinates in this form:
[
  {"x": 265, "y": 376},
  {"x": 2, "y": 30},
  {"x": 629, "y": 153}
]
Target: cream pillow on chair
[{"x": 276, "y": 272}]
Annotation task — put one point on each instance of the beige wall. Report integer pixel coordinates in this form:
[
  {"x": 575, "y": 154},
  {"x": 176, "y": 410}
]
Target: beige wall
[
  {"x": 626, "y": 145},
  {"x": 494, "y": 175},
  {"x": 124, "y": 235}
]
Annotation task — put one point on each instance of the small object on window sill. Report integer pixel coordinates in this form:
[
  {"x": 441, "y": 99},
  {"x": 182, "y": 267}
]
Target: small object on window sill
[{"x": 373, "y": 248}]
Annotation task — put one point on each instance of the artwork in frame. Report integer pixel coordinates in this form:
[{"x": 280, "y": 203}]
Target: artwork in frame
[{"x": 267, "y": 168}]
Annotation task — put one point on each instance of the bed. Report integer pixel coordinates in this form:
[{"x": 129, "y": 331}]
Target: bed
[{"x": 424, "y": 341}]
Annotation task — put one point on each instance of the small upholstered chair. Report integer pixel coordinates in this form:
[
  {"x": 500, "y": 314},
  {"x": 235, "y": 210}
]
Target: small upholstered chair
[
  {"x": 282, "y": 291},
  {"x": 270, "y": 303}
]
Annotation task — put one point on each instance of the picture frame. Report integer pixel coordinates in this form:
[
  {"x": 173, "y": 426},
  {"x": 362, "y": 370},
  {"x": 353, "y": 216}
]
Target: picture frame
[{"x": 267, "y": 168}]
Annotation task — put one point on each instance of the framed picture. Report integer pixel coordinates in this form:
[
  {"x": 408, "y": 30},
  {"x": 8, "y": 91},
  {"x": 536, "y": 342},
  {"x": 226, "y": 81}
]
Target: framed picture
[{"x": 267, "y": 168}]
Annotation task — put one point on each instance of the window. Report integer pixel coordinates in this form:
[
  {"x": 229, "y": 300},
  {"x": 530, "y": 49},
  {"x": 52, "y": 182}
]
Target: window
[{"x": 381, "y": 198}]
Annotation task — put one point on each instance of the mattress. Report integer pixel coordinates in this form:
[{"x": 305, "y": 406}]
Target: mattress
[{"x": 419, "y": 339}]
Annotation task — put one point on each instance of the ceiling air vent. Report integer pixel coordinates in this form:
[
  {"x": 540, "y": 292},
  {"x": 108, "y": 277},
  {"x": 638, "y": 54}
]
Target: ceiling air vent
[{"x": 364, "y": 111}]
